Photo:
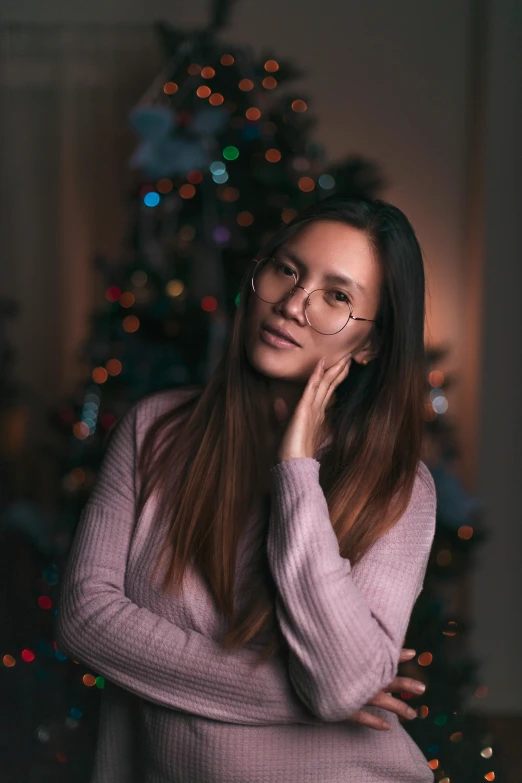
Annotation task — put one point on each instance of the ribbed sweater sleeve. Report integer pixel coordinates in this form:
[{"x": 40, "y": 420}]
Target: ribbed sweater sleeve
[
  {"x": 344, "y": 626},
  {"x": 138, "y": 649}
]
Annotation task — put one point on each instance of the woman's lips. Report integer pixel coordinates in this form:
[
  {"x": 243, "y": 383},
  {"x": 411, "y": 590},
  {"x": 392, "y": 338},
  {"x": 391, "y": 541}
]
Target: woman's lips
[{"x": 275, "y": 340}]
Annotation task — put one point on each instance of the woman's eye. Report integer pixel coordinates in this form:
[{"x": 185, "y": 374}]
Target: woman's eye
[
  {"x": 284, "y": 267},
  {"x": 340, "y": 296}
]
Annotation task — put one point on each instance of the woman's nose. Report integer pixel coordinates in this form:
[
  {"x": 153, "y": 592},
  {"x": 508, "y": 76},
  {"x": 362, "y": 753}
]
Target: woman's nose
[{"x": 295, "y": 304}]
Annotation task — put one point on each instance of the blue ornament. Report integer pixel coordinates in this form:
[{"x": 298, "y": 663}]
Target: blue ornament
[
  {"x": 152, "y": 122},
  {"x": 209, "y": 121}
]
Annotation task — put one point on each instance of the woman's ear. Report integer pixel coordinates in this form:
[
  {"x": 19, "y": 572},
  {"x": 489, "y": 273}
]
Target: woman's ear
[{"x": 366, "y": 353}]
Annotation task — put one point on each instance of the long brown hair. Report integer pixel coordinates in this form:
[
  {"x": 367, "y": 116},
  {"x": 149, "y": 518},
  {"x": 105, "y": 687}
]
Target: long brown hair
[{"x": 215, "y": 437}]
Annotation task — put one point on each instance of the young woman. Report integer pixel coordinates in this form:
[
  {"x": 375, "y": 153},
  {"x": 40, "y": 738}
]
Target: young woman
[{"x": 245, "y": 568}]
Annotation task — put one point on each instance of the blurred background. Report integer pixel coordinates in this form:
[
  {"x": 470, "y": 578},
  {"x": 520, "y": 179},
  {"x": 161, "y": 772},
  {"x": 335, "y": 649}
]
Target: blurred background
[{"x": 146, "y": 151}]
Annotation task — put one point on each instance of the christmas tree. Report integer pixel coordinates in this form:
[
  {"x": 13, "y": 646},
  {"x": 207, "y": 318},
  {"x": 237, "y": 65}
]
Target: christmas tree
[{"x": 453, "y": 740}]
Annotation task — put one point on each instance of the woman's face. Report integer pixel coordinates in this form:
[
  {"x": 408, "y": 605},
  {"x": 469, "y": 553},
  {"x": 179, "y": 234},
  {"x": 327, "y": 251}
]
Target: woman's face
[{"x": 322, "y": 247}]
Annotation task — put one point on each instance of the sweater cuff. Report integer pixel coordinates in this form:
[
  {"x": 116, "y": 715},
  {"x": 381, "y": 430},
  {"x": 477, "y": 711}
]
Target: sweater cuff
[
  {"x": 300, "y": 510},
  {"x": 294, "y": 477}
]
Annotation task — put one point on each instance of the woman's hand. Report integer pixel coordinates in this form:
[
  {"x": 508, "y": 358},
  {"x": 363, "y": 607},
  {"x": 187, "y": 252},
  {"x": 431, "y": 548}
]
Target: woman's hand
[
  {"x": 301, "y": 436},
  {"x": 387, "y": 702}
]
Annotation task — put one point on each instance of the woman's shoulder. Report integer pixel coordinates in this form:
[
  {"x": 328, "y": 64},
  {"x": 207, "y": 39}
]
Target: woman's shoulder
[
  {"x": 424, "y": 486},
  {"x": 149, "y": 408}
]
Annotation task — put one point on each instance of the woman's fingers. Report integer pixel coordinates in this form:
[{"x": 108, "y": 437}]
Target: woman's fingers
[
  {"x": 341, "y": 375},
  {"x": 331, "y": 378},
  {"x": 405, "y": 685},
  {"x": 406, "y": 655},
  {"x": 367, "y": 719},
  {"x": 399, "y": 707}
]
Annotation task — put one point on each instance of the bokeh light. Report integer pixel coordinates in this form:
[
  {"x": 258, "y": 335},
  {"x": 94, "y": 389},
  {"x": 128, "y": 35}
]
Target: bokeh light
[
  {"x": 253, "y": 113},
  {"x": 245, "y": 218},
  {"x": 209, "y": 304},
  {"x": 187, "y": 191},
  {"x": 151, "y": 199},
  {"x": 273, "y": 155}
]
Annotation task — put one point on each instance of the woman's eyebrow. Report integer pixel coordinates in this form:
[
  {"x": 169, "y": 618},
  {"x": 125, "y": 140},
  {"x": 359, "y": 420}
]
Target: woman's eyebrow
[{"x": 330, "y": 277}]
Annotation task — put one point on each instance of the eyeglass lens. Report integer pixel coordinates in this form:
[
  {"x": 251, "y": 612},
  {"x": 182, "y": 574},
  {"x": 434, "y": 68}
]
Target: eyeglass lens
[{"x": 328, "y": 311}]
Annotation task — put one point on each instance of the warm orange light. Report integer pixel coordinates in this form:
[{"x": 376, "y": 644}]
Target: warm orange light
[
  {"x": 8, "y": 661},
  {"x": 81, "y": 430},
  {"x": 288, "y": 214},
  {"x": 456, "y": 736},
  {"x": 170, "y": 88},
  {"x": 208, "y": 72},
  {"x": 216, "y": 99},
  {"x": 246, "y": 84},
  {"x": 425, "y": 659},
  {"x": 174, "y": 287},
  {"x": 271, "y": 66},
  {"x": 78, "y": 475},
  {"x": 203, "y": 91},
  {"x": 127, "y": 299},
  {"x": 433, "y": 763},
  {"x": 226, "y": 59},
  {"x": 187, "y": 191},
  {"x": 114, "y": 366},
  {"x": 89, "y": 680},
  {"x": 194, "y": 69},
  {"x": 245, "y": 218},
  {"x": 465, "y": 531},
  {"x": 489, "y": 776},
  {"x": 252, "y": 113},
  {"x": 99, "y": 375},
  {"x": 269, "y": 82},
  {"x": 131, "y": 323},
  {"x": 306, "y": 184},
  {"x": 299, "y": 106},
  {"x": 273, "y": 155},
  {"x": 230, "y": 194},
  {"x": 164, "y": 185},
  {"x": 422, "y": 711},
  {"x": 436, "y": 378}
]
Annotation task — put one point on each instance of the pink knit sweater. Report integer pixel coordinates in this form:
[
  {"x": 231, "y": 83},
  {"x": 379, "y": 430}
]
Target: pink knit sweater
[{"x": 177, "y": 707}]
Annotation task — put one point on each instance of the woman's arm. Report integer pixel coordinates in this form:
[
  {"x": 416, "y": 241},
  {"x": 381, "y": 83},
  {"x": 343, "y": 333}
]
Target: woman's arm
[
  {"x": 136, "y": 648},
  {"x": 344, "y": 626}
]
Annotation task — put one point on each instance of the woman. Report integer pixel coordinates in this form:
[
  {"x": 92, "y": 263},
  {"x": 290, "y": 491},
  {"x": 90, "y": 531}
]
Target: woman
[{"x": 244, "y": 598}]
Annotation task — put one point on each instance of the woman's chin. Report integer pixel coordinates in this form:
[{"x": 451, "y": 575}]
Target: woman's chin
[{"x": 275, "y": 364}]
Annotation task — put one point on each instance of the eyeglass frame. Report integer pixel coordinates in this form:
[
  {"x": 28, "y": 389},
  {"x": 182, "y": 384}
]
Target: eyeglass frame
[{"x": 309, "y": 294}]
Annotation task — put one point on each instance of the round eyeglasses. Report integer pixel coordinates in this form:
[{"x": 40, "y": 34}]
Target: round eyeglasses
[{"x": 326, "y": 311}]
